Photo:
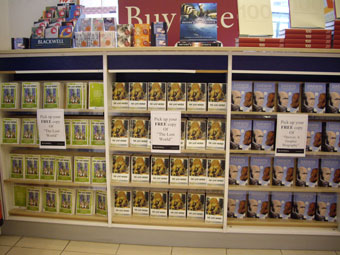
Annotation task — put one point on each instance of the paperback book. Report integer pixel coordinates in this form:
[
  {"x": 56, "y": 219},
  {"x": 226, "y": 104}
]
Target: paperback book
[
  {"x": 64, "y": 168},
  {"x": 237, "y": 204},
  {"x": 217, "y": 100},
  {"x": 238, "y": 170},
  {"x": 9, "y": 95},
  {"x": 140, "y": 168},
  {"x": 97, "y": 132},
  {"x": 82, "y": 169},
  {"x": 195, "y": 205},
  {"x": 50, "y": 200},
  {"x": 32, "y": 167},
  {"x": 17, "y": 165},
  {"x": 101, "y": 203},
  {"x": 85, "y": 202},
  {"x": 215, "y": 171},
  {"x": 122, "y": 202},
  {"x": 160, "y": 169},
  {"x": 159, "y": 203},
  {"x": 197, "y": 171},
  {"x": 140, "y": 200},
  {"x": 67, "y": 198},
  {"x": 216, "y": 134},
  {"x": 48, "y": 169},
  {"x": 242, "y": 96},
  {"x": 30, "y": 95},
  {"x": 10, "y": 130},
  {"x": 33, "y": 199},
  {"x": 178, "y": 170},
  {"x": 20, "y": 196},
  {"x": 120, "y": 168},
  {"x": 283, "y": 172},
  {"x": 96, "y": 95},
  {"x": 98, "y": 170},
  {"x": 28, "y": 131},
  {"x": 52, "y": 95},
  {"x": 214, "y": 208},
  {"x": 177, "y": 204},
  {"x": 80, "y": 132}
]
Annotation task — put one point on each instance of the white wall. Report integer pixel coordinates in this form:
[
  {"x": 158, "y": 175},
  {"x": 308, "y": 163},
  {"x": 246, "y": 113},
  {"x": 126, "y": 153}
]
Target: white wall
[{"x": 5, "y": 43}]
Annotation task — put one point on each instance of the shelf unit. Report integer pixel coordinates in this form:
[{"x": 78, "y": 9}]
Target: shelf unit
[{"x": 170, "y": 63}]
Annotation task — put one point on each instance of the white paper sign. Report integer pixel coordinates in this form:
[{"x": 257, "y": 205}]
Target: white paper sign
[
  {"x": 166, "y": 131},
  {"x": 51, "y": 128},
  {"x": 291, "y": 135},
  {"x": 337, "y": 8},
  {"x": 306, "y": 14}
]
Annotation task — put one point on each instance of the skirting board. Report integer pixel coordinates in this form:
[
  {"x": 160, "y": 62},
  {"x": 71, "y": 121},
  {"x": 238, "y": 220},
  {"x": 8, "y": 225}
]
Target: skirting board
[{"x": 170, "y": 237}]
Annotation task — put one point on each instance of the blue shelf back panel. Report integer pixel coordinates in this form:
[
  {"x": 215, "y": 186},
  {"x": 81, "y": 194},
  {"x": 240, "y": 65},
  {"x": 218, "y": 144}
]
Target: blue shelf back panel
[
  {"x": 51, "y": 63},
  {"x": 189, "y": 62},
  {"x": 274, "y": 63}
]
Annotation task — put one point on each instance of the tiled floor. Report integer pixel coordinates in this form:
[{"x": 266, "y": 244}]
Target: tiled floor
[{"x": 16, "y": 245}]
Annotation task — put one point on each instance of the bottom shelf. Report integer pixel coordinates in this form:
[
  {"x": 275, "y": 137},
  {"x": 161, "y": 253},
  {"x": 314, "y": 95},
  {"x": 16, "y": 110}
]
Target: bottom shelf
[
  {"x": 22, "y": 212},
  {"x": 173, "y": 222}
]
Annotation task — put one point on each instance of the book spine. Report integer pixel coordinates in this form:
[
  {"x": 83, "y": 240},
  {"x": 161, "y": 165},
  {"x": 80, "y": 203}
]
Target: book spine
[
  {"x": 260, "y": 40},
  {"x": 273, "y": 45},
  {"x": 308, "y": 36},
  {"x": 336, "y": 37},
  {"x": 301, "y": 45},
  {"x": 307, "y": 31},
  {"x": 308, "y": 41}
]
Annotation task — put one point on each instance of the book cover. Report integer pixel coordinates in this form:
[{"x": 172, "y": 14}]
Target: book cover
[
  {"x": 10, "y": 130},
  {"x": 51, "y": 95},
  {"x": 216, "y": 134},
  {"x": 283, "y": 172},
  {"x": 64, "y": 168},
  {"x": 159, "y": 203},
  {"x": 160, "y": 169},
  {"x": 177, "y": 96},
  {"x": 240, "y": 134},
  {"x": 178, "y": 170},
  {"x": 122, "y": 202},
  {"x": 140, "y": 168},
  {"x": 177, "y": 204},
  {"x": 288, "y": 97},
  {"x": 195, "y": 205},
  {"x": 197, "y": 96},
  {"x": 50, "y": 200},
  {"x": 263, "y": 135},
  {"x": 33, "y": 199},
  {"x": 139, "y": 130},
  {"x": 32, "y": 167},
  {"x": 183, "y": 132},
  {"x": 120, "y": 132},
  {"x": 307, "y": 172},
  {"x": 96, "y": 95},
  {"x": 48, "y": 169},
  {"x": 80, "y": 132},
  {"x": 20, "y": 196},
  {"x": 17, "y": 166},
  {"x": 68, "y": 131},
  {"x": 214, "y": 208},
  {"x": 120, "y": 95},
  {"x": 98, "y": 170},
  {"x": 197, "y": 171},
  {"x": 82, "y": 169},
  {"x": 138, "y": 95},
  {"x": 304, "y": 206},
  {"x": 30, "y": 95},
  {"x": 9, "y": 95},
  {"x": 242, "y": 96},
  {"x": 120, "y": 168},
  {"x": 67, "y": 199},
  {"x": 326, "y": 207},
  {"x": 85, "y": 202},
  {"x": 215, "y": 171},
  {"x": 97, "y": 132},
  {"x": 157, "y": 95},
  {"x": 75, "y": 95},
  {"x": 237, "y": 204},
  {"x": 28, "y": 131},
  {"x": 331, "y": 137},
  {"x": 238, "y": 170},
  {"x": 196, "y": 134},
  {"x": 264, "y": 97},
  {"x": 101, "y": 203},
  {"x": 314, "y": 136},
  {"x": 109, "y": 24},
  {"x": 314, "y": 98},
  {"x": 217, "y": 100},
  {"x": 107, "y": 39},
  {"x": 258, "y": 205},
  {"x": 329, "y": 175},
  {"x": 140, "y": 201},
  {"x": 259, "y": 172},
  {"x": 280, "y": 206},
  {"x": 333, "y": 100}
]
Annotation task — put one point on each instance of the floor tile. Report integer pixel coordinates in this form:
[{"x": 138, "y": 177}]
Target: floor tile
[
  {"x": 4, "y": 249},
  {"x": 337, "y": 252},
  {"x": 302, "y": 252},
  {"x": 252, "y": 252},
  {"x": 125, "y": 249},
  {"x": 31, "y": 251},
  {"x": 42, "y": 243},
  {"x": 90, "y": 247},
  {"x": 9, "y": 240},
  {"x": 197, "y": 251},
  {"x": 78, "y": 253}
]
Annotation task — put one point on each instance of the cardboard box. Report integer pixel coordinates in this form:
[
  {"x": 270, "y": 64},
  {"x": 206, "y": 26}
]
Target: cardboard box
[
  {"x": 50, "y": 200},
  {"x": 214, "y": 208},
  {"x": 307, "y": 172},
  {"x": 177, "y": 96},
  {"x": 326, "y": 207},
  {"x": 97, "y": 132},
  {"x": 122, "y": 202},
  {"x": 242, "y": 96},
  {"x": 304, "y": 206},
  {"x": 120, "y": 132},
  {"x": 331, "y": 135},
  {"x": 216, "y": 134},
  {"x": 17, "y": 166},
  {"x": 139, "y": 130},
  {"x": 197, "y": 96},
  {"x": 197, "y": 171},
  {"x": 159, "y": 203},
  {"x": 33, "y": 199},
  {"x": 140, "y": 168},
  {"x": 67, "y": 198},
  {"x": 140, "y": 202},
  {"x": 80, "y": 132},
  {"x": 264, "y": 97},
  {"x": 237, "y": 204},
  {"x": 196, "y": 134},
  {"x": 85, "y": 202},
  {"x": 314, "y": 136},
  {"x": 101, "y": 203},
  {"x": 240, "y": 134},
  {"x": 288, "y": 97},
  {"x": 329, "y": 175},
  {"x": 30, "y": 95},
  {"x": 138, "y": 95},
  {"x": 32, "y": 167},
  {"x": 160, "y": 169},
  {"x": 64, "y": 168},
  {"x": 195, "y": 205},
  {"x": 215, "y": 171},
  {"x": 10, "y": 95},
  {"x": 120, "y": 95},
  {"x": 10, "y": 130},
  {"x": 178, "y": 170},
  {"x": 238, "y": 170},
  {"x": 283, "y": 172},
  {"x": 259, "y": 172},
  {"x": 280, "y": 205},
  {"x": 82, "y": 169},
  {"x": 177, "y": 204},
  {"x": 98, "y": 169},
  {"x": 157, "y": 95},
  {"x": 217, "y": 96},
  {"x": 263, "y": 135},
  {"x": 258, "y": 204},
  {"x": 120, "y": 168},
  {"x": 28, "y": 131},
  {"x": 314, "y": 98},
  {"x": 333, "y": 98},
  {"x": 48, "y": 169}
]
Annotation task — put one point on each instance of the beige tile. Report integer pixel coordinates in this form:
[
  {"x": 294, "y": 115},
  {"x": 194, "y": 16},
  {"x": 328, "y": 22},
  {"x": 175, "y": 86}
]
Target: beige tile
[
  {"x": 30, "y": 251},
  {"x": 90, "y": 247},
  {"x": 42, "y": 243},
  {"x": 252, "y": 252},
  {"x": 9, "y": 240},
  {"x": 4, "y": 249},
  {"x": 125, "y": 249},
  {"x": 197, "y": 251},
  {"x": 78, "y": 253},
  {"x": 302, "y": 252},
  {"x": 337, "y": 252}
]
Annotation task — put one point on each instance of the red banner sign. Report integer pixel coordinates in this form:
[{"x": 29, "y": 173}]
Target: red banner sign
[{"x": 138, "y": 11}]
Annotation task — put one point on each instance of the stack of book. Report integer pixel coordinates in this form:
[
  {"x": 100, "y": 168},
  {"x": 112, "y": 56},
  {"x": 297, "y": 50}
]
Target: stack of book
[
  {"x": 306, "y": 38},
  {"x": 335, "y": 27},
  {"x": 259, "y": 42}
]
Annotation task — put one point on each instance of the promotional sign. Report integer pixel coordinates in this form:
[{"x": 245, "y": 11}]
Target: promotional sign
[
  {"x": 51, "y": 128},
  {"x": 291, "y": 135},
  {"x": 165, "y": 132},
  {"x": 307, "y": 14},
  {"x": 134, "y": 12}
]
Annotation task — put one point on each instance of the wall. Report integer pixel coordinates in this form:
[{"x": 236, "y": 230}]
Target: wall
[{"x": 4, "y": 25}]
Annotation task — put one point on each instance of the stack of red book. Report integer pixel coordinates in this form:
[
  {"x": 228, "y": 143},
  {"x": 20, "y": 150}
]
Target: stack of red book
[
  {"x": 259, "y": 42},
  {"x": 336, "y": 35},
  {"x": 307, "y": 38}
]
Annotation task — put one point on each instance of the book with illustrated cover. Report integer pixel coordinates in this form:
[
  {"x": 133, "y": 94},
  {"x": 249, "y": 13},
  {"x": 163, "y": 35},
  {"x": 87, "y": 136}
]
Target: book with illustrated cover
[
  {"x": 177, "y": 96},
  {"x": 98, "y": 170},
  {"x": 304, "y": 206},
  {"x": 238, "y": 170},
  {"x": 33, "y": 199},
  {"x": 80, "y": 132},
  {"x": 242, "y": 96},
  {"x": 240, "y": 134},
  {"x": 85, "y": 202},
  {"x": 314, "y": 136},
  {"x": 237, "y": 204},
  {"x": 68, "y": 131},
  {"x": 140, "y": 202},
  {"x": 48, "y": 169},
  {"x": 52, "y": 95},
  {"x": 214, "y": 208},
  {"x": 216, "y": 134},
  {"x": 120, "y": 95},
  {"x": 288, "y": 97},
  {"x": 159, "y": 203},
  {"x": 28, "y": 131},
  {"x": 329, "y": 175},
  {"x": 120, "y": 168},
  {"x": 331, "y": 137},
  {"x": 67, "y": 199},
  {"x": 140, "y": 168},
  {"x": 32, "y": 167},
  {"x": 97, "y": 132},
  {"x": 195, "y": 205},
  {"x": 259, "y": 172},
  {"x": 101, "y": 203},
  {"x": 30, "y": 95},
  {"x": 197, "y": 171},
  {"x": 75, "y": 95},
  {"x": 326, "y": 207},
  {"x": 9, "y": 95},
  {"x": 50, "y": 200},
  {"x": 160, "y": 169},
  {"x": 217, "y": 100},
  {"x": 17, "y": 166},
  {"x": 179, "y": 170},
  {"x": 64, "y": 168},
  {"x": 307, "y": 172},
  {"x": 280, "y": 206},
  {"x": 264, "y": 97},
  {"x": 96, "y": 95},
  {"x": 314, "y": 98},
  {"x": 258, "y": 204},
  {"x": 197, "y": 96},
  {"x": 157, "y": 95},
  {"x": 138, "y": 95},
  {"x": 283, "y": 172},
  {"x": 20, "y": 196},
  {"x": 215, "y": 171},
  {"x": 177, "y": 204},
  {"x": 263, "y": 135},
  {"x": 82, "y": 167},
  {"x": 120, "y": 132},
  {"x": 122, "y": 202},
  {"x": 333, "y": 100},
  {"x": 10, "y": 130},
  {"x": 139, "y": 130},
  {"x": 196, "y": 134}
]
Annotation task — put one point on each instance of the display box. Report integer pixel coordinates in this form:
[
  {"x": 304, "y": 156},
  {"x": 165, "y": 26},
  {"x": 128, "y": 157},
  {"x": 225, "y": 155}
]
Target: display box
[
  {"x": 75, "y": 95},
  {"x": 157, "y": 95},
  {"x": 197, "y": 96},
  {"x": 326, "y": 207},
  {"x": 304, "y": 206},
  {"x": 33, "y": 199},
  {"x": 258, "y": 204},
  {"x": 30, "y": 95},
  {"x": 82, "y": 169},
  {"x": 217, "y": 100},
  {"x": 183, "y": 133},
  {"x": 138, "y": 95},
  {"x": 52, "y": 95},
  {"x": 17, "y": 166},
  {"x": 20, "y": 196},
  {"x": 264, "y": 97},
  {"x": 177, "y": 204},
  {"x": 67, "y": 201},
  {"x": 195, "y": 205},
  {"x": 242, "y": 96},
  {"x": 85, "y": 202},
  {"x": 10, "y": 130},
  {"x": 196, "y": 134},
  {"x": 331, "y": 135},
  {"x": 238, "y": 170},
  {"x": 214, "y": 208},
  {"x": 140, "y": 168},
  {"x": 263, "y": 135},
  {"x": 68, "y": 131},
  {"x": 333, "y": 99},
  {"x": 314, "y": 136},
  {"x": 159, "y": 203},
  {"x": 197, "y": 171},
  {"x": 215, "y": 171},
  {"x": 329, "y": 175},
  {"x": 314, "y": 98},
  {"x": 177, "y": 96},
  {"x": 50, "y": 200},
  {"x": 240, "y": 134},
  {"x": 48, "y": 169},
  {"x": 283, "y": 172},
  {"x": 120, "y": 168},
  {"x": 307, "y": 172},
  {"x": 96, "y": 95},
  {"x": 216, "y": 134},
  {"x": 120, "y": 95},
  {"x": 120, "y": 132},
  {"x": 237, "y": 204},
  {"x": 139, "y": 130},
  {"x": 101, "y": 203},
  {"x": 98, "y": 170},
  {"x": 32, "y": 167},
  {"x": 160, "y": 169},
  {"x": 122, "y": 202},
  {"x": 28, "y": 131},
  {"x": 179, "y": 170},
  {"x": 259, "y": 172},
  {"x": 64, "y": 168},
  {"x": 288, "y": 97},
  {"x": 80, "y": 132},
  {"x": 9, "y": 95},
  {"x": 140, "y": 201},
  {"x": 97, "y": 132},
  {"x": 280, "y": 206}
]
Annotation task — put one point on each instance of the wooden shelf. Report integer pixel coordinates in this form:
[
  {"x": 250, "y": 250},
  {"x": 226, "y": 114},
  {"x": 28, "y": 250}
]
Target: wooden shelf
[
  {"x": 55, "y": 183},
  {"x": 280, "y": 223},
  {"x": 134, "y": 112},
  {"x": 25, "y": 213},
  {"x": 273, "y": 115},
  {"x": 284, "y": 189},
  {"x": 252, "y": 152},
  {"x": 67, "y": 111},
  {"x": 172, "y": 222},
  {"x": 167, "y": 186},
  {"x": 36, "y": 146}
]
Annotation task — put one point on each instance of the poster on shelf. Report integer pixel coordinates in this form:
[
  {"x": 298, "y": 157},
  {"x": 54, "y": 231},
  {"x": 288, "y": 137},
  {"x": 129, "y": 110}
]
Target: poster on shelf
[
  {"x": 51, "y": 128},
  {"x": 291, "y": 135},
  {"x": 307, "y": 14}
]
